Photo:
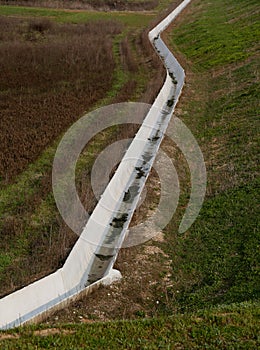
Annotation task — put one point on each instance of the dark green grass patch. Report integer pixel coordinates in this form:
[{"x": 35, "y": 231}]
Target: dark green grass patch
[
  {"x": 221, "y": 33},
  {"x": 218, "y": 259}
]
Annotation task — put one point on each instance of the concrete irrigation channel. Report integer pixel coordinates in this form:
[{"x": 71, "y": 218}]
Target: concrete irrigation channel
[{"x": 91, "y": 260}]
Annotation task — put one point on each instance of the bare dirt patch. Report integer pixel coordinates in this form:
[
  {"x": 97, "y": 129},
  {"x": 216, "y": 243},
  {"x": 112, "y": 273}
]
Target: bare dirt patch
[
  {"x": 51, "y": 331},
  {"x": 136, "y": 295},
  {"x": 4, "y": 336}
]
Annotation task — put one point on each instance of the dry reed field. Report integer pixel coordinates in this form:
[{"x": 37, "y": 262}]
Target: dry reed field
[{"x": 50, "y": 74}]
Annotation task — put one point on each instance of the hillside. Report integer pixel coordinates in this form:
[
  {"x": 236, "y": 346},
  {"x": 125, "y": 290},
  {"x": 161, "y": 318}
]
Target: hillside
[{"x": 210, "y": 298}]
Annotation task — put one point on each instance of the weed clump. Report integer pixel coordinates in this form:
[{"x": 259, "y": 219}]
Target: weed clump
[{"x": 41, "y": 25}]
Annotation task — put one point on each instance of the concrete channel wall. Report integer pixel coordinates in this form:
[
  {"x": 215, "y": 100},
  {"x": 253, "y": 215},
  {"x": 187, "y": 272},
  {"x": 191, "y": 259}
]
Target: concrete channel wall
[{"x": 91, "y": 260}]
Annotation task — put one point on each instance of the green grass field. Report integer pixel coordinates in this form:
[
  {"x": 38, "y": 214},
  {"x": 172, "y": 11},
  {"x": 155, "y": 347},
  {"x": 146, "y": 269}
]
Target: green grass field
[
  {"x": 217, "y": 260},
  {"x": 130, "y": 19},
  {"x": 213, "y": 300},
  {"x": 233, "y": 327}
]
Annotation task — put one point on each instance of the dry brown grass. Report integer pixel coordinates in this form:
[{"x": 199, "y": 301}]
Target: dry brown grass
[
  {"x": 50, "y": 74},
  {"x": 122, "y": 5}
]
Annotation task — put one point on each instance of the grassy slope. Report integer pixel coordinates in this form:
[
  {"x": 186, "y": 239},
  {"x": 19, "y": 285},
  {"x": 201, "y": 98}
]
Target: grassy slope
[{"x": 216, "y": 262}]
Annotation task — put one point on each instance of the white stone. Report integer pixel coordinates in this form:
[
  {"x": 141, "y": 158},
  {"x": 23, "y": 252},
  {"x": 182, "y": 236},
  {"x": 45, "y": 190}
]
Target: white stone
[{"x": 113, "y": 276}]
